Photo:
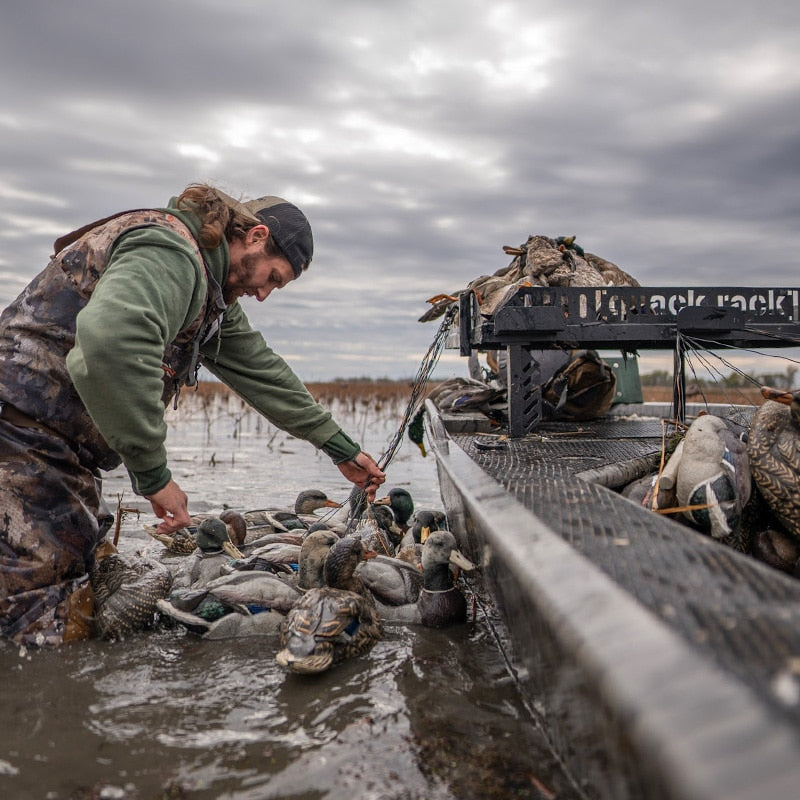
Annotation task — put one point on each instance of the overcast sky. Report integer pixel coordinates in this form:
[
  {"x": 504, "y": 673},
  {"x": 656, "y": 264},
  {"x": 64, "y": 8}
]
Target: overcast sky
[{"x": 419, "y": 137}]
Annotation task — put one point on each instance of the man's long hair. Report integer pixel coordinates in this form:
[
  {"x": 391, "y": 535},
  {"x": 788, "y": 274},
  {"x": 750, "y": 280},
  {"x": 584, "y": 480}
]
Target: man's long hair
[{"x": 217, "y": 219}]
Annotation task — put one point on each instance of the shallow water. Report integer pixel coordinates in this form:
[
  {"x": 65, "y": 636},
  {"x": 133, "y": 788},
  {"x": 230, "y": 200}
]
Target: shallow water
[{"x": 164, "y": 714}]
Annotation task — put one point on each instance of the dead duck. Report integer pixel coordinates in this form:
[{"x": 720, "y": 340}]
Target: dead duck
[
  {"x": 126, "y": 594},
  {"x": 214, "y": 550},
  {"x": 440, "y": 602},
  {"x": 334, "y": 622},
  {"x": 713, "y": 474},
  {"x": 774, "y": 451}
]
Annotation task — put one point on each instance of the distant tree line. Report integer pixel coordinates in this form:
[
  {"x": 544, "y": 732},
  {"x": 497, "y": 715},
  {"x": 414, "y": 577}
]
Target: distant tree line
[{"x": 734, "y": 380}]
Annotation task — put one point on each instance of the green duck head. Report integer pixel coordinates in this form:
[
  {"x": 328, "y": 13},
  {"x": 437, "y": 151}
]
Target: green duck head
[
  {"x": 401, "y": 503},
  {"x": 212, "y": 535}
]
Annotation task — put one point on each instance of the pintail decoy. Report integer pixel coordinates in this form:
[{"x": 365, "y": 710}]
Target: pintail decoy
[
  {"x": 713, "y": 474},
  {"x": 334, "y": 622}
]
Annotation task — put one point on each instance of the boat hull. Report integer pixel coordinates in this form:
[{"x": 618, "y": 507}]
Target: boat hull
[{"x": 606, "y": 635}]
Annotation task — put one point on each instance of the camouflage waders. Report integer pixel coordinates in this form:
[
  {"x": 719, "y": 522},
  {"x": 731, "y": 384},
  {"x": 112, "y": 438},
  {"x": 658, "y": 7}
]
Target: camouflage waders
[{"x": 52, "y": 516}]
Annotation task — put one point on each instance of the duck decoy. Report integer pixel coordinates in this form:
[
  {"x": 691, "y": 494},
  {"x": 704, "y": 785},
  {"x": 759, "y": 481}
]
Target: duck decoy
[
  {"x": 416, "y": 430},
  {"x": 313, "y": 553},
  {"x": 180, "y": 542},
  {"x": 232, "y": 606},
  {"x": 275, "y": 557},
  {"x": 306, "y": 504},
  {"x": 378, "y": 530},
  {"x": 126, "y": 594},
  {"x": 333, "y": 622},
  {"x": 214, "y": 551},
  {"x": 401, "y": 504},
  {"x": 423, "y": 522},
  {"x": 774, "y": 450},
  {"x": 713, "y": 477},
  {"x": 440, "y": 601},
  {"x": 251, "y": 603}
]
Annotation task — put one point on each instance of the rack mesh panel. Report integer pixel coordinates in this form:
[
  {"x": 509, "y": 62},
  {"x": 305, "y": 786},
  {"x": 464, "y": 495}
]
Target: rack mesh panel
[{"x": 739, "y": 612}]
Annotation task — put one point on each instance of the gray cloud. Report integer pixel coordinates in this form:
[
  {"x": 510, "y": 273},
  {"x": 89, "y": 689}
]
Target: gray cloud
[{"x": 419, "y": 137}]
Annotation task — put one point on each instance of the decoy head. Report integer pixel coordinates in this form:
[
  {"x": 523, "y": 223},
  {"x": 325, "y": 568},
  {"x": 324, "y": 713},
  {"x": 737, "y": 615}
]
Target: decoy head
[
  {"x": 424, "y": 524},
  {"x": 309, "y": 500},
  {"x": 784, "y": 396},
  {"x": 401, "y": 503},
  {"x": 441, "y": 548},
  {"x": 237, "y": 527},
  {"x": 342, "y": 560},
  {"x": 212, "y": 535}
]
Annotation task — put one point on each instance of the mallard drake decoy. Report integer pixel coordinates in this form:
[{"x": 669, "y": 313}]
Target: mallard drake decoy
[
  {"x": 333, "y": 622},
  {"x": 416, "y": 430},
  {"x": 392, "y": 581},
  {"x": 440, "y": 601},
  {"x": 126, "y": 594},
  {"x": 423, "y": 522},
  {"x": 401, "y": 504},
  {"x": 214, "y": 550},
  {"x": 774, "y": 451},
  {"x": 244, "y": 604},
  {"x": 713, "y": 473},
  {"x": 231, "y": 606}
]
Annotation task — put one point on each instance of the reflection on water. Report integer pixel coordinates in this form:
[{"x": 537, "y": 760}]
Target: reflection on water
[{"x": 425, "y": 714}]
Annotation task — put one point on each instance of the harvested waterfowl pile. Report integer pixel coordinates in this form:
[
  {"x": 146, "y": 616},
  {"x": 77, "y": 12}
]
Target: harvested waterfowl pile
[{"x": 541, "y": 261}]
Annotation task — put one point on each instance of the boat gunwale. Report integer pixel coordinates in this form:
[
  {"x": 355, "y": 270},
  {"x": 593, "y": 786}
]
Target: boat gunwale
[{"x": 702, "y": 730}]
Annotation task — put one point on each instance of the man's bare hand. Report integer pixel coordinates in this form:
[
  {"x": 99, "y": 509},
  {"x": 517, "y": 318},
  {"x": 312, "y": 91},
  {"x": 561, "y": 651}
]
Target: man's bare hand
[
  {"x": 364, "y": 473},
  {"x": 170, "y": 505}
]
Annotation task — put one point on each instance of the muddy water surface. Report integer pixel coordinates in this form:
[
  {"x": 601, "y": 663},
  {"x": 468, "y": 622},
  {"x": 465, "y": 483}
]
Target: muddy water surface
[{"x": 164, "y": 714}]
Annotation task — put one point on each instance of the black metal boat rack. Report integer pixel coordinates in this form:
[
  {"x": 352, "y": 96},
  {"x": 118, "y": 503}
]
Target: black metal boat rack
[{"x": 622, "y": 318}]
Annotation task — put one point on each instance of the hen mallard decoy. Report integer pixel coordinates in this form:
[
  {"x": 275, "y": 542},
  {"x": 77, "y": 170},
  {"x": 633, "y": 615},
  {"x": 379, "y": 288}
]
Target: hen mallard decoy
[
  {"x": 214, "y": 551},
  {"x": 299, "y": 518},
  {"x": 774, "y": 451},
  {"x": 126, "y": 594},
  {"x": 180, "y": 542},
  {"x": 713, "y": 474},
  {"x": 378, "y": 530},
  {"x": 334, "y": 622},
  {"x": 439, "y": 602}
]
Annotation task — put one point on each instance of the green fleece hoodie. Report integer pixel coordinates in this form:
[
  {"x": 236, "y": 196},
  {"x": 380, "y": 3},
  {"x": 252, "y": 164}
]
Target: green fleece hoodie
[{"x": 154, "y": 287}]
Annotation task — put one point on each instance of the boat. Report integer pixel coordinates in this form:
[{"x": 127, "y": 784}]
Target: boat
[{"x": 661, "y": 663}]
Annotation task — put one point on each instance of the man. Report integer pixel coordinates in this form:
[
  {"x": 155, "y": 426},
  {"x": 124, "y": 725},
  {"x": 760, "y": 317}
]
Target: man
[{"x": 95, "y": 347}]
